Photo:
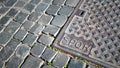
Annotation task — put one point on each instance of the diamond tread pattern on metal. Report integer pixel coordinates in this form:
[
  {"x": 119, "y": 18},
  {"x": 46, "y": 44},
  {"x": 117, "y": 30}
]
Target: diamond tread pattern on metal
[{"x": 94, "y": 32}]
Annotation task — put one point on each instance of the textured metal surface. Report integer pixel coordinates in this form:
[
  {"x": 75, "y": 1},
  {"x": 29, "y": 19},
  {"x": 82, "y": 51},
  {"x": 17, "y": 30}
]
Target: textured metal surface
[{"x": 94, "y": 32}]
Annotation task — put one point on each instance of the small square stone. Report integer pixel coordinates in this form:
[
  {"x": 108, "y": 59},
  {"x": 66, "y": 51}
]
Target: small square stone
[
  {"x": 12, "y": 27},
  {"x": 21, "y": 34},
  {"x": 9, "y": 3},
  {"x": 58, "y": 2},
  {"x": 3, "y": 10},
  {"x": 34, "y": 16},
  {"x": 66, "y": 10},
  {"x": 59, "y": 20},
  {"x": 29, "y": 7},
  {"x": 20, "y": 4},
  {"x": 47, "y": 1},
  {"x": 30, "y": 39},
  {"x": 38, "y": 49},
  {"x": 45, "y": 19},
  {"x": 72, "y": 3},
  {"x": 37, "y": 29},
  {"x": 21, "y": 17},
  {"x": 35, "y": 1},
  {"x": 60, "y": 60},
  {"x": 45, "y": 39},
  {"x": 32, "y": 62},
  {"x": 53, "y": 9},
  {"x": 12, "y": 12},
  {"x": 4, "y": 37},
  {"x": 76, "y": 64},
  {"x": 53, "y": 30},
  {"x": 27, "y": 25},
  {"x": 4, "y": 20},
  {"x": 49, "y": 54},
  {"x": 41, "y": 7}
]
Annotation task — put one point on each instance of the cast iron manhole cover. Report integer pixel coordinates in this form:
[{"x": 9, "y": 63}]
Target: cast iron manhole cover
[{"x": 93, "y": 32}]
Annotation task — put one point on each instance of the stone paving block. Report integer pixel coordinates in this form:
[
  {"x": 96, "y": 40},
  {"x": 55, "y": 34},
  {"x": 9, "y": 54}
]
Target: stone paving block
[
  {"x": 4, "y": 20},
  {"x": 27, "y": 25},
  {"x": 4, "y": 37},
  {"x": 1, "y": 64},
  {"x": 20, "y": 4},
  {"x": 3, "y": 10},
  {"x": 12, "y": 27},
  {"x": 41, "y": 7},
  {"x": 58, "y": 2},
  {"x": 12, "y": 12},
  {"x": 59, "y": 20},
  {"x": 53, "y": 30},
  {"x": 37, "y": 29},
  {"x": 9, "y": 3},
  {"x": 38, "y": 49},
  {"x": 30, "y": 39},
  {"x": 66, "y": 10},
  {"x": 60, "y": 60},
  {"x": 34, "y": 16},
  {"x": 72, "y": 3},
  {"x": 47, "y": 1},
  {"x": 45, "y": 19},
  {"x": 32, "y": 62},
  {"x": 49, "y": 54},
  {"x": 14, "y": 62},
  {"x": 46, "y": 66},
  {"x": 52, "y": 9},
  {"x": 1, "y": 27},
  {"x": 21, "y": 34},
  {"x": 7, "y": 51},
  {"x": 21, "y": 17},
  {"x": 45, "y": 39},
  {"x": 76, "y": 64},
  {"x": 35, "y": 1},
  {"x": 29, "y": 7},
  {"x": 22, "y": 51}
]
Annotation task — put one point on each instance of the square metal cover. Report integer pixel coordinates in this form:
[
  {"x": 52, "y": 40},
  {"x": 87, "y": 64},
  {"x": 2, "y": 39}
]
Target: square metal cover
[{"x": 93, "y": 32}]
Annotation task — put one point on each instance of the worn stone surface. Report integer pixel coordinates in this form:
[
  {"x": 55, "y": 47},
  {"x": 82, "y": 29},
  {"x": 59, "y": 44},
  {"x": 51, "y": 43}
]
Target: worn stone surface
[
  {"x": 28, "y": 25},
  {"x": 38, "y": 49},
  {"x": 45, "y": 39},
  {"x": 60, "y": 60},
  {"x": 35, "y": 1},
  {"x": 32, "y": 62},
  {"x": 30, "y": 39},
  {"x": 46, "y": 66},
  {"x": 72, "y": 3},
  {"x": 4, "y": 20},
  {"x": 58, "y": 2},
  {"x": 53, "y": 30},
  {"x": 76, "y": 64},
  {"x": 47, "y": 1},
  {"x": 49, "y": 54},
  {"x": 20, "y": 4},
  {"x": 59, "y": 20},
  {"x": 29, "y": 7},
  {"x": 12, "y": 12},
  {"x": 41, "y": 7}
]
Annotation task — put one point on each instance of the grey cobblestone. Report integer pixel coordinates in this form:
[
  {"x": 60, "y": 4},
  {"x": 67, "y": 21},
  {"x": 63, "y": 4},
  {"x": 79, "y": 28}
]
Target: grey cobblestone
[
  {"x": 60, "y": 60},
  {"x": 46, "y": 66},
  {"x": 29, "y": 7},
  {"x": 34, "y": 16},
  {"x": 9, "y": 3},
  {"x": 32, "y": 62},
  {"x": 38, "y": 49},
  {"x": 53, "y": 30},
  {"x": 20, "y": 4},
  {"x": 66, "y": 10},
  {"x": 21, "y": 17},
  {"x": 4, "y": 20},
  {"x": 35, "y": 1},
  {"x": 3, "y": 10},
  {"x": 72, "y": 3},
  {"x": 4, "y": 37},
  {"x": 53, "y": 9},
  {"x": 30, "y": 39},
  {"x": 58, "y": 2},
  {"x": 76, "y": 64},
  {"x": 45, "y": 19},
  {"x": 47, "y": 1},
  {"x": 12, "y": 12},
  {"x": 27, "y": 25},
  {"x": 37, "y": 29},
  {"x": 12, "y": 27},
  {"x": 49, "y": 54},
  {"x": 7, "y": 51},
  {"x": 59, "y": 20},
  {"x": 45, "y": 39},
  {"x": 41, "y": 7},
  {"x": 21, "y": 34}
]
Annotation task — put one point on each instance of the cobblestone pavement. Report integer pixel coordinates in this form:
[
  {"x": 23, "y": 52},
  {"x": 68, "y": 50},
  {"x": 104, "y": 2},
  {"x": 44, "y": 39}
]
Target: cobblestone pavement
[{"x": 28, "y": 29}]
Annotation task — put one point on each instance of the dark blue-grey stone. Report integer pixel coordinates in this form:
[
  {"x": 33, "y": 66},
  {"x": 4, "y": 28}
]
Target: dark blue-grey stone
[
  {"x": 47, "y": 1},
  {"x": 58, "y": 2},
  {"x": 3, "y": 10},
  {"x": 41, "y": 7},
  {"x": 20, "y": 4},
  {"x": 29, "y": 7},
  {"x": 12, "y": 12},
  {"x": 4, "y": 20},
  {"x": 27, "y": 25},
  {"x": 35, "y": 1},
  {"x": 9, "y": 3}
]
